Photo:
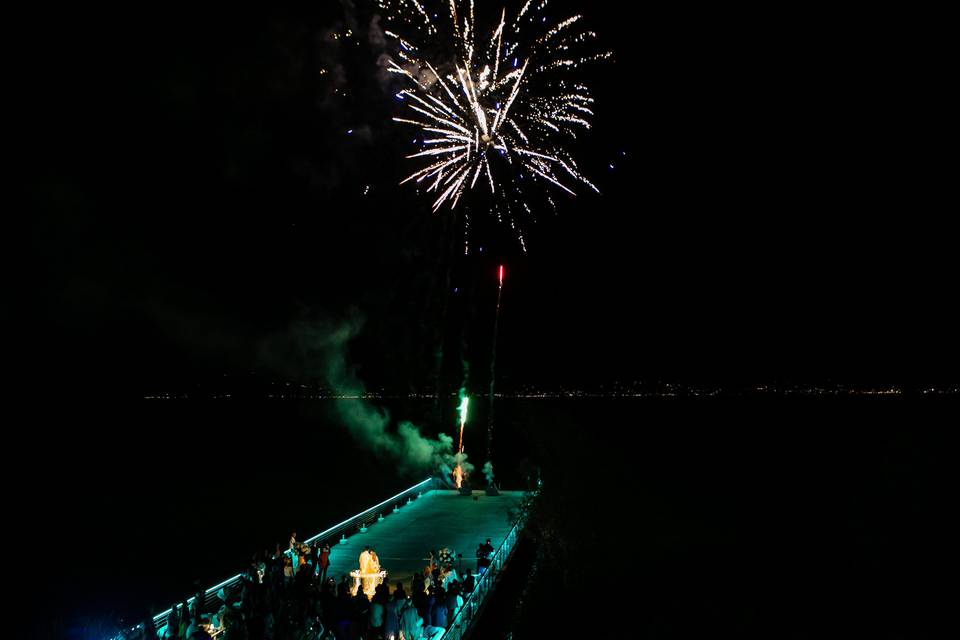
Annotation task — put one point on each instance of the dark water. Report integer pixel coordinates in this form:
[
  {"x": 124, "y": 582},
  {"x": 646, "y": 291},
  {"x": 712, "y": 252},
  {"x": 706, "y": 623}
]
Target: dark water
[
  {"x": 765, "y": 517},
  {"x": 139, "y": 502},
  {"x": 131, "y": 505}
]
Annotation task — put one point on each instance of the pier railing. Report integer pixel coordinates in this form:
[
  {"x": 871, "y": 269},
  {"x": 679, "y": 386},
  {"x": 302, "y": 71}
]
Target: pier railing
[
  {"x": 212, "y": 601},
  {"x": 464, "y": 618}
]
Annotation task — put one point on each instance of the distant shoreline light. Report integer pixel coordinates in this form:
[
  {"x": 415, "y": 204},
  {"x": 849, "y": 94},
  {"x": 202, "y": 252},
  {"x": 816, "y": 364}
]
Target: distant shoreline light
[{"x": 624, "y": 390}]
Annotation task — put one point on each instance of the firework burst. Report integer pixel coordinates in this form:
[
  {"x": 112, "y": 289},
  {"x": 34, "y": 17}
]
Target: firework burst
[{"x": 494, "y": 110}]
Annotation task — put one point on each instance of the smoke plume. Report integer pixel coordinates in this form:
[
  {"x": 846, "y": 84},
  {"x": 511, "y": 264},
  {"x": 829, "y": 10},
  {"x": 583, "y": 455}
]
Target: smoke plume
[
  {"x": 320, "y": 347},
  {"x": 488, "y": 472}
]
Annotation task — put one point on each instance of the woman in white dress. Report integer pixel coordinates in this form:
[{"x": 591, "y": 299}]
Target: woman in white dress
[{"x": 373, "y": 567}]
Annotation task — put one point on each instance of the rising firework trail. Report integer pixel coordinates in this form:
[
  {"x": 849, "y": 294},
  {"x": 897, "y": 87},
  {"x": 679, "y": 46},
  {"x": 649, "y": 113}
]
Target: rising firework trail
[
  {"x": 458, "y": 470},
  {"x": 493, "y": 376},
  {"x": 494, "y": 110}
]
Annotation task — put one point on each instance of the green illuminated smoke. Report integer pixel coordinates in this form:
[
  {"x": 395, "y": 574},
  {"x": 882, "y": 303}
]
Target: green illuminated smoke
[
  {"x": 321, "y": 346},
  {"x": 464, "y": 402}
]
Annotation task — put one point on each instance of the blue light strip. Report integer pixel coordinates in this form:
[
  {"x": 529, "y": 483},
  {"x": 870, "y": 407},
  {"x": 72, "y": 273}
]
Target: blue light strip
[
  {"x": 363, "y": 513},
  {"x": 214, "y": 589}
]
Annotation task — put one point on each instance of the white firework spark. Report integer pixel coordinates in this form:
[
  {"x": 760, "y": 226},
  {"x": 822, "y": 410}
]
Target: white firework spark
[{"x": 494, "y": 113}]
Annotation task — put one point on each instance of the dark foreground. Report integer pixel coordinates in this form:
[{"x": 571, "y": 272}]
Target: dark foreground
[
  {"x": 787, "y": 518},
  {"x": 769, "y": 517}
]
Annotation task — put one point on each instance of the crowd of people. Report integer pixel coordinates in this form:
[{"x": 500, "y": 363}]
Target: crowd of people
[{"x": 287, "y": 595}]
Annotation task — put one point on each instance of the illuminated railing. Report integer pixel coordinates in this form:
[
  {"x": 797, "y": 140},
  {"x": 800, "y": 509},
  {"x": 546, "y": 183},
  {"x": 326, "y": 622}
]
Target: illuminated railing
[
  {"x": 212, "y": 601},
  {"x": 464, "y": 618}
]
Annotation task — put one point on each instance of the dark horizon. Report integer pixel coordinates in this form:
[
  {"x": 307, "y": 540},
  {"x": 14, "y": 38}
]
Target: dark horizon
[{"x": 198, "y": 195}]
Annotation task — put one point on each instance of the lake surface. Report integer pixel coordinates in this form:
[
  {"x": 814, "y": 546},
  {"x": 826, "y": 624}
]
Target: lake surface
[{"x": 132, "y": 504}]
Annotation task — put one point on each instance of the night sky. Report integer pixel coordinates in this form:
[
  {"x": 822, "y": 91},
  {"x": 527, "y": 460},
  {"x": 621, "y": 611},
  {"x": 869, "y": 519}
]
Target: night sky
[
  {"x": 193, "y": 190},
  {"x": 768, "y": 211}
]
